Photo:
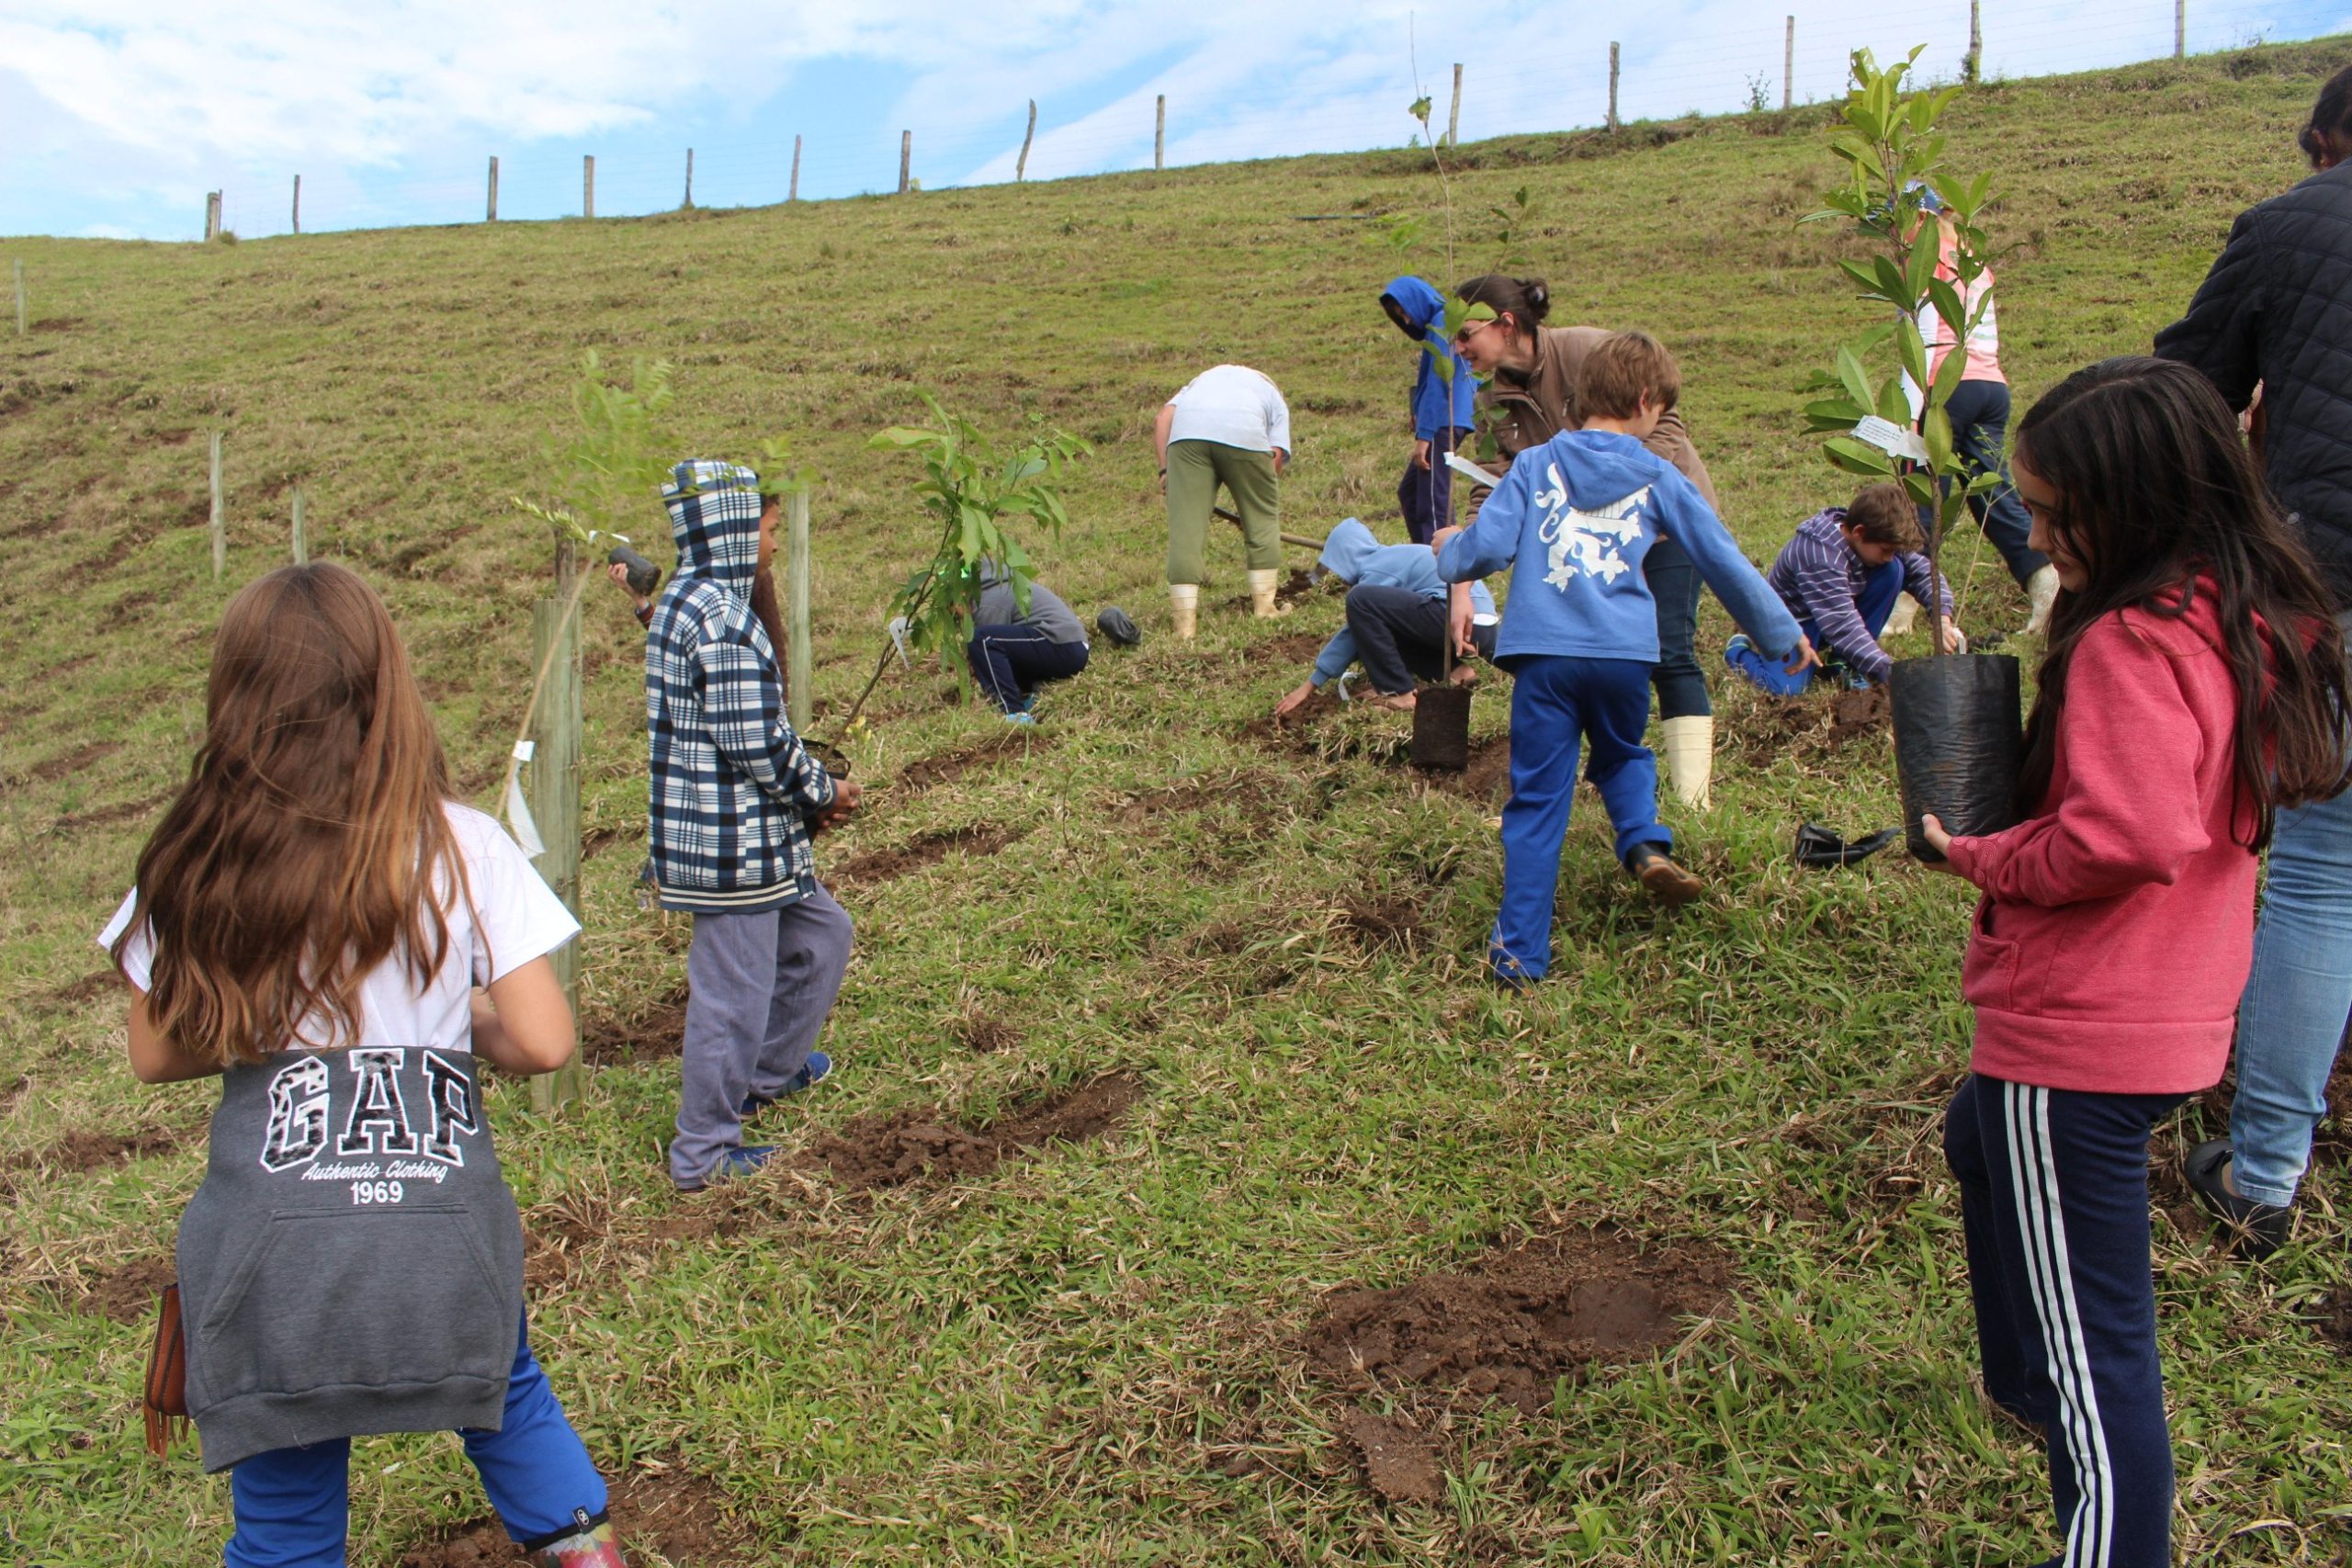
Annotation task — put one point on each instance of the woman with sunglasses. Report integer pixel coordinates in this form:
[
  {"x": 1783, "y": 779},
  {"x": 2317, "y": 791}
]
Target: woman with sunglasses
[{"x": 1531, "y": 374}]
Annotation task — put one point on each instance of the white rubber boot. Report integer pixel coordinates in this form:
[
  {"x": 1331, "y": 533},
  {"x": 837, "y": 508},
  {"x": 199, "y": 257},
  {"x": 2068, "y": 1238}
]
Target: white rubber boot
[
  {"x": 1690, "y": 759},
  {"x": 1262, "y": 583},
  {"x": 1184, "y": 608},
  {"x": 2041, "y": 597},
  {"x": 1906, "y": 610}
]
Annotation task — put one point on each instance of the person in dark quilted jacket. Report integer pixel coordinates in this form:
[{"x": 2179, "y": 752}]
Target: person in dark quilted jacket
[{"x": 2275, "y": 317}]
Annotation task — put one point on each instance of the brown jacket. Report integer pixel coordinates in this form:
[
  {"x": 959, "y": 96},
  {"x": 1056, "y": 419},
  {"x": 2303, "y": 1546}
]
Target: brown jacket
[{"x": 1529, "y": 414}]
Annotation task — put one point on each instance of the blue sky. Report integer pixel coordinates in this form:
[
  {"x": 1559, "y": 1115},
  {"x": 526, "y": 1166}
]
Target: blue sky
[{"x": 118, "y": 116}]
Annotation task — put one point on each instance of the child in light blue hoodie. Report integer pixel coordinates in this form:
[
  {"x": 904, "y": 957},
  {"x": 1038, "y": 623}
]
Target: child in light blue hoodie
[
  {"x": 1580, "y": 637},
  {"x": 1398, "y": 619}
]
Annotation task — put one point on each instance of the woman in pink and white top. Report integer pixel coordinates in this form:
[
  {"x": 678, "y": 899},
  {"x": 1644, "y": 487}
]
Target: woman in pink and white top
[{"x": 1980, "y": 422}]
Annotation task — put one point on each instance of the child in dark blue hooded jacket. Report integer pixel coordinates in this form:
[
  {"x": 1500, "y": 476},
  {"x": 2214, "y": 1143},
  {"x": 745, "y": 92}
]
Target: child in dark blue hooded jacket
[
  {"x": 1442, "y": 406},
  {"x": 1579, "y": 636}
]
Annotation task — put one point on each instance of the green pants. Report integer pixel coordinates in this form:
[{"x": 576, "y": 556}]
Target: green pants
[{"x": 1195, "y": 468}]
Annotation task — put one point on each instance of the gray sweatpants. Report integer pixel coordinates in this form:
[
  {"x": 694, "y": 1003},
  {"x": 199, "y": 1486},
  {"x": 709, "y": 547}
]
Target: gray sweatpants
[{"x": 758, "y": 988}]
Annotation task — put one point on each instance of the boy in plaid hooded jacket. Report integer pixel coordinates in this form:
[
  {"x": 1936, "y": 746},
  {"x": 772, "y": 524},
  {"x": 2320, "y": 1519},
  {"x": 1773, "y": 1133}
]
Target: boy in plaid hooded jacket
[{"x": 733, "y": 799}]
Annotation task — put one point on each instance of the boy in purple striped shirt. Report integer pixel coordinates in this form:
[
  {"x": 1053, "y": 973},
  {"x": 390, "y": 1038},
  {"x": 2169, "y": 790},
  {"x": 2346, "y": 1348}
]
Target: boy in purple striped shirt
[{"x": 1840, "y": 576}]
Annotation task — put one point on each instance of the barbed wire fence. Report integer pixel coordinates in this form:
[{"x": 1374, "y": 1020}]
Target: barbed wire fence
[{"x": 1785, "y": 55}]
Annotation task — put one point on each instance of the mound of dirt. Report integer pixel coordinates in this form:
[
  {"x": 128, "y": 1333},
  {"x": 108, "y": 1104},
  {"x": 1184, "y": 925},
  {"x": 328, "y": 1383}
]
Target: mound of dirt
[
  {"x": 128, "y": 1295},
  {"x": 1767, "y": 727},
  {"x": 86, "y": 1149},
  {"x": 1295, "y": 648},
  {"x": 1512, "y": 1324},
  {"x": 656, "y": 1030},
  {"x": 89, "y": 988},
  {"x": 671, "y": 1511},
  {"x": 1243, "y": 789},
  {"x": 1394, "y": 1458},
  {"x": 2336, "y": 1325},
  {"x": 877, "y": 866},
  {"x": 986, "y": 1035},
  {"x": 597, "y": 840},
  {"x": 1299, "y": 585},
  {"x": 74, "y": 761},
  {"x": 925, "y": 1143},
  {"x": 1488, "y": 778},
  {"x": 929, "y": 773},
  {"x": 1388, "y": 921}
]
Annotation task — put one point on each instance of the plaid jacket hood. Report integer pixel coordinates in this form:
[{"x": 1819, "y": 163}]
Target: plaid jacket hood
[{"x": 732, "y": 787}]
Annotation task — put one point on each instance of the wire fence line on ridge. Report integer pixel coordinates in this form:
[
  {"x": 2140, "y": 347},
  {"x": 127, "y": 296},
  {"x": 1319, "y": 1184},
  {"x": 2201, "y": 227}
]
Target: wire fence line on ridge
[{"x": 1524, "y": 92}]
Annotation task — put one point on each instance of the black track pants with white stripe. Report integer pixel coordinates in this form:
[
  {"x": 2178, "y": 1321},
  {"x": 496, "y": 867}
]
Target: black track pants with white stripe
[{"x": 2054, "y": 1196}]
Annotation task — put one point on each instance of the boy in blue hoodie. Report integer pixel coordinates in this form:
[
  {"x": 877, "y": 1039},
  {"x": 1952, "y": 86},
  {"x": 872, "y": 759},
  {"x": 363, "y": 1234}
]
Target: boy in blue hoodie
[
  {"x": 1396, "y": 619},
  {"x": 1580, "y": 638},
  {"x": 1443, "y": 400}
]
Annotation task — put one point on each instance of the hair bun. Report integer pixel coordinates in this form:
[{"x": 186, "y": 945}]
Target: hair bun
[{"x": 1538, "y": 296}]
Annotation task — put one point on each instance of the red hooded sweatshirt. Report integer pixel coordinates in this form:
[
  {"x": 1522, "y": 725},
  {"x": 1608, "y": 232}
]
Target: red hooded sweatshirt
[{"x": 2117, "y": 925}]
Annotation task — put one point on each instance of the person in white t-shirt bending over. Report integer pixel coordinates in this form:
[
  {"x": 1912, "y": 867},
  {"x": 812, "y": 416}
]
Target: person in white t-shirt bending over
[{"x": 1228, "y": 427}]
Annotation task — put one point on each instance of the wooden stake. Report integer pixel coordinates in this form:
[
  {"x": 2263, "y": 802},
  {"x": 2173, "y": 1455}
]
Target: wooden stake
[
  {"x": 1612, "y": 89},
  {"x": 906, "y": 158},
  {"x": 212, "y": 215},
  {"x": 20, "y": 297},
  {"x": 794, "y": 193},
  {"x": 799, "y": 696},
  {"x": 1453, "y": 115},
  {"x": 219, "y": 517},
  {"x": 1789, "y": 64},
  {"x": 588, "y": 186},
  {"x": 2180, "y": 29},
  {"x": 555, "y": 790},
  {"x": 301, "y": 542},
  {"x": 493, "y": 187},
  {"x": 1021, "y": 169},
  {"x": 297, "y": 204},
  {"x": 1973, "y": 65},
  {"x": 690, "y": 178},
  {"x": 1159, "y": 134}
]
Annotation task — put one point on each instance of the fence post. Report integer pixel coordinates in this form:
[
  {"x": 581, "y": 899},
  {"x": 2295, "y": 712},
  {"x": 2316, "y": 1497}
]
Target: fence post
[
  {"x": 793, "y": 193},
  {"x": 1021, "y": 169},
  {"x": 220, "y": 516},
  {"x": 799, "y": 694},
  {"x": 555, "y": 791},
  {"x": 1612, "y": 89},
  {"x": 588, "y": 186},
  {"x": 906, "y": 158},
  {"x": 20, "y": 297},
  {"x": 2180, "y": 29},
  {"x": 690, "y": 178},
  {"x": 212, "y": 215},
  {"x": 1159, "y": 134},
  {"x": 302, "y": 540},
  {"x": 1789, "y": 64},
  {"x": 1973, "y": 65},
  {"x": 297, "y": 204},
  {"x": 493, "y": 187},
  {"x": 1453, "y": 115}
]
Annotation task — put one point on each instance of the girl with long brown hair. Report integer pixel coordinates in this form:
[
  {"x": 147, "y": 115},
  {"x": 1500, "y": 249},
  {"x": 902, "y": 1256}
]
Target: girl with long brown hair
[
  {"x": 2194, "y": 684},
  {"x": 311, "y": 922}
]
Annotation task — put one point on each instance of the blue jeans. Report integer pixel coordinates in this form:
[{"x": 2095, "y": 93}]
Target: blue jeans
[
  {"x": 293, "y": 1505},
  {"x": 2053, "y": 1205},
  {"x": 1425, "y": 496},
  {"x": 1558, "y": 702},
  {"x": 1980, "y": 427},
  {"x": 1011, "y": 662},
  {"x": 2292, "y": 1017},
  {"x": 1674, "y": 586},
  {"x": 1875, "y": 604}
]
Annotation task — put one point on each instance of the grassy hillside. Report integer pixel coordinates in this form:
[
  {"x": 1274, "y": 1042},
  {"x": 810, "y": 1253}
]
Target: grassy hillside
[{"x": 1253, "y": 955}]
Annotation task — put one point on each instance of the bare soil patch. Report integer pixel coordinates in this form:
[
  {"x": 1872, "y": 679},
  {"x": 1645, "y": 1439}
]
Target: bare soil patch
[
  {"x": 1295, "y": 648},
  {"x": 89, "y": 988},
  {"x": 87, "y": 1149},
  {"x": 979, "y": 1032},
  {"x": 670, "y": 1510},
  {"x": 651, "y": 1031},
  {"x": 1806, "y": 727},
  {"x": 72, "y": 762},
  {"x": 925, "y": 1143},
  {"x": 1488, "y": 778},
  {"x": 597, "y": 840},
  {"x": 1293, "y": 588},
  {"x": 128, "y": 1295},
  {"x": 2335, "y": 1318},
  {"x": 877, "y": 866},
  {"x": 1513, "y": 1324},
  {"x": 108, "y": 816},
  {"x": 1242, "y": 789},
  {"x": 1394, "y": 1461},
  {"x": 929, "y": 773},
  {"x": 557, "y": 1238},
  {"x": 1386, "y": 921}
]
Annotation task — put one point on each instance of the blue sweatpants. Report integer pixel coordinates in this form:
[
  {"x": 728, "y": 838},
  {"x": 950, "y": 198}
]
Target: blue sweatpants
[
  {"x": 293, "y": 1505},
  {"x": 1556, "y": 703},
  {"x": 2054, "y": 1195},
  {"x": 1875, "y": 604}
]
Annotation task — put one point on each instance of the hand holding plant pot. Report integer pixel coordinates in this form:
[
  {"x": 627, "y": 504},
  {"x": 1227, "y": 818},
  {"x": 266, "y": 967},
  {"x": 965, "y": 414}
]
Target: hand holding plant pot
[{"x": 1959, "y": 743}]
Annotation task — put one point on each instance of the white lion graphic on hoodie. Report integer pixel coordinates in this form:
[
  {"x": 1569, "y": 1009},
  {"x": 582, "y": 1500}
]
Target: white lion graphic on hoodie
[{"x": 1586, "y": 542}]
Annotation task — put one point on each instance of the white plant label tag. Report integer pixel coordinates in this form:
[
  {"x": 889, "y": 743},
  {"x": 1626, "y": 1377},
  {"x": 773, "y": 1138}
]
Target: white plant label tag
[
  {"x": 1471, "y": 471},
  {"x": 1894, "y": 440}
]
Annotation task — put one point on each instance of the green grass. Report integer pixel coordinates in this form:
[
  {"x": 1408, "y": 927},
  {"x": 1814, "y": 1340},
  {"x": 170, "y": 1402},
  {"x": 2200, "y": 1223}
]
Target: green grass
[{"x": 1091, "y": 1356}]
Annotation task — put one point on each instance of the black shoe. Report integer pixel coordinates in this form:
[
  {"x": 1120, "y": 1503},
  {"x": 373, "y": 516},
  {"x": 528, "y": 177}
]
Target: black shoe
[
  {"x": 1819, "y": 849},
  {"x": 2252, "y": 1228},
  {"x": 1118, "y": 626},
  {"x": 1666, "y": 882}
]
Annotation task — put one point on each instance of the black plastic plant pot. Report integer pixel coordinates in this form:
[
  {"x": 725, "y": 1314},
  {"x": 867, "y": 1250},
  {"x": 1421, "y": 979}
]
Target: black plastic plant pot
[
  {"x": 1959, "y": 743},
  {"x": 1442, "y": 730},
  {"x": 834, "y": 760}
]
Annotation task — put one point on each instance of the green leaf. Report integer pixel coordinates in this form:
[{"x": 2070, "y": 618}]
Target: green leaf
[
  {"x": 1852, "y": 375},
  {"x": 1910, "y": 352},
  {"x": 1948, "y": 376},
  {"x": 1936, "y": 428},
  {"x": 1856, "y": 457},
  {"x": 1893, "y": 403}
]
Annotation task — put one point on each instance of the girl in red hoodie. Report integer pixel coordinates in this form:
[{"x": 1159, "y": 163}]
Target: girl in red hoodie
[{"x": 2194, "y": 682}]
